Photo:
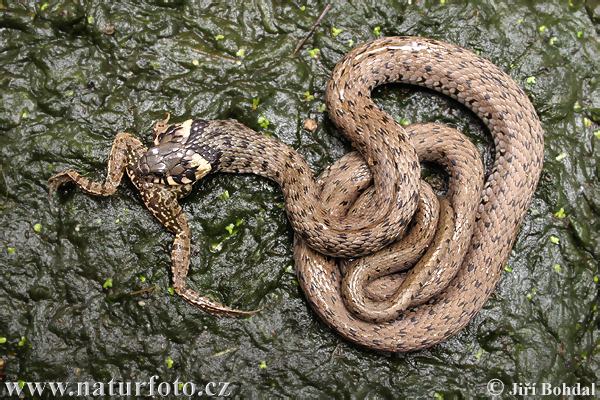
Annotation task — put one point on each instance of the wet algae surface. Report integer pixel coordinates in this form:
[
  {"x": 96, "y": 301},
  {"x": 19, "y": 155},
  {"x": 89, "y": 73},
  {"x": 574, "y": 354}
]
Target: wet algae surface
[{"x": 85, "y": 286}]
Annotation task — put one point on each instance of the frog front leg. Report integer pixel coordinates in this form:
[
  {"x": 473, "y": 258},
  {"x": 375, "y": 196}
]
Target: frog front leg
[
  {"x": 162, "y": 203},
  {"x": 125, "y": 151},
  {"x": 160, "y": 127}
]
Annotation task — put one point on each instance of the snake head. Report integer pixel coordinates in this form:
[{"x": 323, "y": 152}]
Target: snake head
[
  {"x": 174, "y": 160},
  {"x": 172, "y": 165}
]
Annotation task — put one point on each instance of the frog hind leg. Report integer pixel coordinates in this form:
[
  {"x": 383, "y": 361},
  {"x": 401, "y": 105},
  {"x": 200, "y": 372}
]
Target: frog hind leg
[
  {"x": 163, "y": 204},
  {"x": 125, "y": 151}
]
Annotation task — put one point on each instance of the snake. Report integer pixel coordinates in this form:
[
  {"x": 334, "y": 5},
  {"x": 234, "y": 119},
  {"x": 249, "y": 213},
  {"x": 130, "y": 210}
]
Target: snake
[{"x": 382, "y": 259}]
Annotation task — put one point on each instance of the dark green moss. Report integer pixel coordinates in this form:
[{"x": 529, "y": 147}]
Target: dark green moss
[{"x": 74, "y": 73}]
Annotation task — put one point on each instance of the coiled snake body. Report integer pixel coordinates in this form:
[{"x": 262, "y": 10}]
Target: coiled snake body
[{"x": 367, "y": 200}]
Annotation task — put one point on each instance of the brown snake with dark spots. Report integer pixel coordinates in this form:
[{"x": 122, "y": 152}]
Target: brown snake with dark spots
[{"x": 340, "y": 215}]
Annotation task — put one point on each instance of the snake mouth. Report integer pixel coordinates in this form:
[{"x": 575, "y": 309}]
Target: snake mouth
[
  {"x": 168, "y": 180},
  {"x": 184, "y": 172},
  {"x": 189, "y": 176},
  {"x": 172, "y": 164}
]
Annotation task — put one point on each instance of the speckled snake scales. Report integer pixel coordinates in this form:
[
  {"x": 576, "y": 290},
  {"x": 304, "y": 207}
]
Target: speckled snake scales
[{"x": 372, "y": 303}]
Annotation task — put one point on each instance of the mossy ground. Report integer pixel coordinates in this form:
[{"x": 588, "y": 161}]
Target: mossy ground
[{"x": 74, "y": 73}]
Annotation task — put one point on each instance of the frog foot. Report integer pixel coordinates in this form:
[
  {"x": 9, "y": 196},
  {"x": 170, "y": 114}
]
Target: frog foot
[{"x": 160, "y": 127}]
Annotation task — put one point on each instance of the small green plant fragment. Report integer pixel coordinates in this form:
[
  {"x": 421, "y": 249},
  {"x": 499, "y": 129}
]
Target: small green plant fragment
[
  {"x": 479, "y": 354},
  {"x": 37, "y": 228},
  {"x": 171, "y": 290},
  {"x": 557, "y": 268},
  {"x": 553, "y": 40},
  {"x": 302, "y": 8},
  {"x": 219, "y": 37},
  {"x": 554, "y": 239},
  {"x": 22, "y": 342},
  {"x": 520, "y": 21},
  {"x": 255, "y": 103},
  {"x": 25, "y": 114},
  {"x": 241, "y": 53},
  {"x": 530, "y": 80},
  {"x": 3, "y": 340},
  {"x": 263, "y": 122},
  {"x": 224, "y": 196},
  {"x": 560, "y": 214},
  {"x": 442, "y": 2},
  {"x": 230, "y": 229},
  {"x": 21, "y": 383},
  {"x": 561, "y": 156},
  {"x": 216, "y": 247},
  {"x": 531, "y": 293},
  {"x": 11, "y": 250},
  {"x": 350, "y": 43},
  {"x": 314, "y": 53},
  {"x": 597, "y": 134},
  {"x": 587, "y": 122},
  {"x": 262, "y": 364},
  {"x": 90, "y": 19},
  {"x": 508, "y": 268},
  {"x": 308, "y": 96},
  {"x": 44, "y": 6},
  {"x": 438, "y": 396},
  {"x": 169, "y": 362},
  {"x": 577, "y": 107},
  {"x": 239, "y": 222},
  {"x": 195, "y": 62},
  {"x": 579, "y": 34},
  {"x": 377, "y": 31},
  {"x": 322, "y": 107},
  {"x": 142, "y": 278},
  {"x": 335, "y": 31},
  {"x": 403, "y": 121},
  {"x": 107, "y": 283},
  {"x": 596, "y": 279},
  {"x": 542, "y": 28}
]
